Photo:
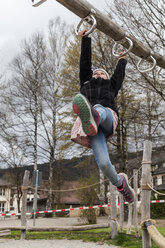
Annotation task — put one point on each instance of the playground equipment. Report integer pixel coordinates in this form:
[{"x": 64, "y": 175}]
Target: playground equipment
[
  {"x": 160, "y": 76},
  {"x": 153, "y": 232},
  {"x": 122, "y": 42},
  {"x": 105, "y": 24},
  {"x": 148, "y": 69},
  {"x": 89, "y": 18},
  {"x": 148, "y": 229}
]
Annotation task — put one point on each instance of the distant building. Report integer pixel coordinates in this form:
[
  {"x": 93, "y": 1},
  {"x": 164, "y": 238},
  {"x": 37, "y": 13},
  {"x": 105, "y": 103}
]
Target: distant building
[
  {"x": 159, "y": 177},
  {"x": 5, "y": 196}
]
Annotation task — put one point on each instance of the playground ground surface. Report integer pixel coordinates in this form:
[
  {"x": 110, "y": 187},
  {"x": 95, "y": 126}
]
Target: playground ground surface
[{"x": 50, "y": 222}]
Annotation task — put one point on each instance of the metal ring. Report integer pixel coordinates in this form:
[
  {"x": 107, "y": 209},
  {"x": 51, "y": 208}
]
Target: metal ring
[
  {"x": 148, "y": 69},
  {"x": 88, "y": 18},
  {"x": 122, "y": 42},
  {"x": 157, "y": 77},
  {"x": 39, "y": 3}
]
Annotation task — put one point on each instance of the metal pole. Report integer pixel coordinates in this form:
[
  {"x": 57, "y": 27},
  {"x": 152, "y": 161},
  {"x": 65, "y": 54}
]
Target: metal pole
[
  {"x": 24, "y": 203},
  {"x": 35, "y": 198}
]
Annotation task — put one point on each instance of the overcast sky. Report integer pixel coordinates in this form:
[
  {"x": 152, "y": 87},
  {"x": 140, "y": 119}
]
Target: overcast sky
[{"x": 19, "y": 20}]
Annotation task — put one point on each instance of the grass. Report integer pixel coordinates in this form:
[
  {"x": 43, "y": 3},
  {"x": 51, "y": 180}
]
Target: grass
[{"x": 97, "y": 235}]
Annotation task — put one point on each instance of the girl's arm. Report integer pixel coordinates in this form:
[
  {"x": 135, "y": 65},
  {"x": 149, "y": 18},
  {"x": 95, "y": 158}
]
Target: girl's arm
[
  {"x": 85, "y": 72},
  {"x": 119, "y": 74}
]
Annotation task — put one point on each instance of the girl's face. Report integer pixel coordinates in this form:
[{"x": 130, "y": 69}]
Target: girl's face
[{"x": 100, "y": 74}]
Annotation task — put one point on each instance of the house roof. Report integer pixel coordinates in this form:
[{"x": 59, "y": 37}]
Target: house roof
[
  {"x": 5, "y": 183},
  {"x": 159, "y": 170},
  {"x": 66, "y": 197},
  {"x": 160, "y": 187},
  {"x": 158, "y": 157}
]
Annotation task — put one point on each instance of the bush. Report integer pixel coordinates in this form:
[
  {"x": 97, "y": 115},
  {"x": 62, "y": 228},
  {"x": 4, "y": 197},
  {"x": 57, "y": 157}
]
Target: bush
[
  {"x": 88, "y": 197},
  {"x": 61, "y": 213},
  {"x": 89, "y": 216},
  {"x": 157, "y": 209}
]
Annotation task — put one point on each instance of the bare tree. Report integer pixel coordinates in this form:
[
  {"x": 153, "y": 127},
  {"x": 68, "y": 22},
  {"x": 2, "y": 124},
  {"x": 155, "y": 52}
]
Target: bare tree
[
  {"x": 144, "y": 19},
  {"x": 26, "y": 90},
  {"x": 13, "y": 154},
  {"x": 33, "y": 95},
  {"x": 53, "y": 105}
]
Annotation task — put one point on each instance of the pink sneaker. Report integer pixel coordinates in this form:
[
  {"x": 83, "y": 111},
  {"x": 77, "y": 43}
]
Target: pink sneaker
[
  {"x": 127, "y": 191},
  {"x": 90, "y": 118}
]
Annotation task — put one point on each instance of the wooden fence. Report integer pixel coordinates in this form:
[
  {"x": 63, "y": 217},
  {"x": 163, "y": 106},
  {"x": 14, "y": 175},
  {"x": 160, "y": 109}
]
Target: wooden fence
[{"x": 149, "y": 231}]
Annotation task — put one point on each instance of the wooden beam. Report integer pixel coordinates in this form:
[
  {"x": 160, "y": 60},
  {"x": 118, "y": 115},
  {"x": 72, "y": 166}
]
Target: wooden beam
[
  {"x": 57, "y": 228},
  {"x": 5, "y": 232},
  {"x": 158, "y": 239},
  {"x": 12, "y": 228},
  {"x": 106, "y": 25}
]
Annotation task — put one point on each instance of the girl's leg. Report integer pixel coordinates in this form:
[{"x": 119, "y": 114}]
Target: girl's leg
[
  {"x": 98, "y": 127},
  {"x": 100, "y": 150},
  {"x": 106, "y": 119}
]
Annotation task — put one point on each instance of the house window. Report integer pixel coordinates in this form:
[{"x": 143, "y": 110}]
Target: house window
[
  {"x": 2, "y": 191},
  {"x": 11, "y": 208},
  {"x": 155, "y": 181},
  {"x": 163, "y": 179},
  {"x": 2, "y": 207}
]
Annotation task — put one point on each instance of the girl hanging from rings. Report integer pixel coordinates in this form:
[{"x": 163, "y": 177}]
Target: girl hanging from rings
[{"x": 97, "y": 114}]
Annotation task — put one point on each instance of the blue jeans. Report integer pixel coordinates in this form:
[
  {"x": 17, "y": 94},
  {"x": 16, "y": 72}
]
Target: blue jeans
[{"x": 99, "y": 145}]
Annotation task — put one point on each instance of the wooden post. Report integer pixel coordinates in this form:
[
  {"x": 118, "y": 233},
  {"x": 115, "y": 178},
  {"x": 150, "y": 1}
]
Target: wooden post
[
  {"x": 146, "y": 191},
  {"x": 113, "y": 211},
  {"x": 24, "y": 203},
  {"x": 129, "y": 224},
  {"x": 102, "y": 194},
  {"x": 135, "y": 210},
  {"x": 121, "y": 200}
]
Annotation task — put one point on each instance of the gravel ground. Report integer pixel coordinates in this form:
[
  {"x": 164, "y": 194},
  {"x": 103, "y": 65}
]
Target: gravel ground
[
  {"x": 51, "y": 244},
  {"x": 49, "y": 222}
]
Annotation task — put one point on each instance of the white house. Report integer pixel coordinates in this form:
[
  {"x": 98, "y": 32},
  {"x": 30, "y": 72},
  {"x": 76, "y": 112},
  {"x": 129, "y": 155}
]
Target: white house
[{"x": 5, "y": 196}]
